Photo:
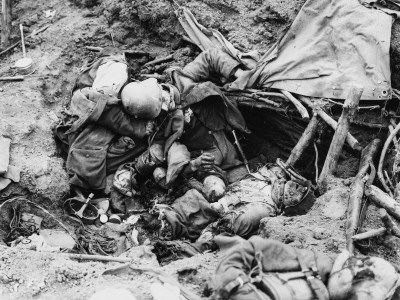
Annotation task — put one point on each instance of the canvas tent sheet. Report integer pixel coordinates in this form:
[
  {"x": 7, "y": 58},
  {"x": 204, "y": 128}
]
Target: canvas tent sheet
[{"x": 331, "y": 46}]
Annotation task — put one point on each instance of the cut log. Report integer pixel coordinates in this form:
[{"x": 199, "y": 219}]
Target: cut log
[
  {"x": 302, "y": 110},
  {"x": 304, "y": 141},
  {"x": 351, "y": 140},
  {"x": 349, "y": 108},
  {"x": 369, "y": 234},
  {"x": 357, "y": 192},
  {"x": 383, "y": 200}
]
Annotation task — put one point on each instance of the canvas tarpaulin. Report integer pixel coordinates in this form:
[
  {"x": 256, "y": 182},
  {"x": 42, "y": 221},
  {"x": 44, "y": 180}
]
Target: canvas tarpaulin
[{"x": 331, "y": 46}]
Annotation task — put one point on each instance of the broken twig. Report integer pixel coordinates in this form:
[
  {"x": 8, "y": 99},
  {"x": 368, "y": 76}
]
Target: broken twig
[
  {"x": 349, "y": 108},
  {"x": 252, "y": 96},
  {"x": 159, "y": 61},
  {"x": 99, "y": 258}
]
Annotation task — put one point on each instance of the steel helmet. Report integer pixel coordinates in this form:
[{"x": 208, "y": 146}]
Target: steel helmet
[{"x": 142, "y": 99}]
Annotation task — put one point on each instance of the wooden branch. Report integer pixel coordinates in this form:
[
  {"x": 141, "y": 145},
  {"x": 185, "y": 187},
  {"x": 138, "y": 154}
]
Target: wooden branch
[
  {"x": 251, "y": 103},
  {"x": 383, "y": 200},
  {"x": 99, "y": 258},
  {"x": 31, "y": 35},
  {"x": 395, "y": 142},
  {"x": 389, "y": 223},
  {"x": 12, "y": 78},
  {"x": 357, "y": 192},
  {"x": 368, "y": 155},
  {"x": 353, "y": 211},
  {"x": 267, "y": 94},
  {"x": 302, "y": 110},
  {"x": 304, "y": 141},
  {"x": 382, "y": 158},
  {"x": 159, "y": 61},
  {"x": 351, "y": 141},
  {"x": 369, "y": 234},
  {"x": 349, "y": 108},
  {"x": 133, "y": 52},
  {"x": 252, "y": 96}
]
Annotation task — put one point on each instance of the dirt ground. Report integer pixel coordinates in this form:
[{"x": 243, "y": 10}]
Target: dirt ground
[{"x": 30, "y": 110}]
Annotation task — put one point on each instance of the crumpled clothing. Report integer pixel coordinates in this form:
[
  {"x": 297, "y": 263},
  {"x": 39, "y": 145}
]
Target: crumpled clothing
[
  {"x": 4, "y": 154},
  {"x": 192, "y": 83},
  {"x": 87, "y": 76},
  {"x": 241, "y": 256},
  {"x": 189, "y": 215},
  {"x": 168, "y": 251},
  {"x": 111, "y": 75},
  {"x": 178, "y": 158},
  {"x": 8, "y": 173},
  {"x": 244, "y": 220}
]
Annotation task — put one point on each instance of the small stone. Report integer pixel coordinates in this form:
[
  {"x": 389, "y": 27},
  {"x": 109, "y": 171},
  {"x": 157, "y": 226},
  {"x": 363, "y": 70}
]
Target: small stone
[
  {"x": 347, "y": 181},
  {"x": 59, "y": 278}
]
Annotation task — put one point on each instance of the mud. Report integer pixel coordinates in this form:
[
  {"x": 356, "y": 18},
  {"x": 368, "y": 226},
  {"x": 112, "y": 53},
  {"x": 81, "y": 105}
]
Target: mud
[{"x": 31, "y": 109}]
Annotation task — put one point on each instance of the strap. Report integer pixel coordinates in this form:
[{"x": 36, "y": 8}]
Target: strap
[
  {"x": 313, "y": 277},
  {"x": 236, "y": 283}
]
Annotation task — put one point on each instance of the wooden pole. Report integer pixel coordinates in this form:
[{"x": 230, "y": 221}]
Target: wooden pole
[
  {"x": 349, "y": 108},
  {"x": 357, "y": 192},
  {"x": 304, "y": 141},
  {"x": 351, "y": 141},
  {"x": 5, "y": 22}
]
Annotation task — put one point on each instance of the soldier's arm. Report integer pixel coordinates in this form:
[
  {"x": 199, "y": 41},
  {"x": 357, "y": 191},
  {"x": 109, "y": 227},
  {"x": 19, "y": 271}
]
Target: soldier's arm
[{"x": 212, "y": 63}]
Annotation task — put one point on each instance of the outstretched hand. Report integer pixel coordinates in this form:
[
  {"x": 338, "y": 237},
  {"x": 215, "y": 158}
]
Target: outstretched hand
[
  {"x": 150, "y": 127},
  {"x": 204, "y": 162}
]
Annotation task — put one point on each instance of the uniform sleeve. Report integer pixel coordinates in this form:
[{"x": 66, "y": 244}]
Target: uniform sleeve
[
  {"x": 211, "y": 63},
  {"x": 115, "y": 118}
]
